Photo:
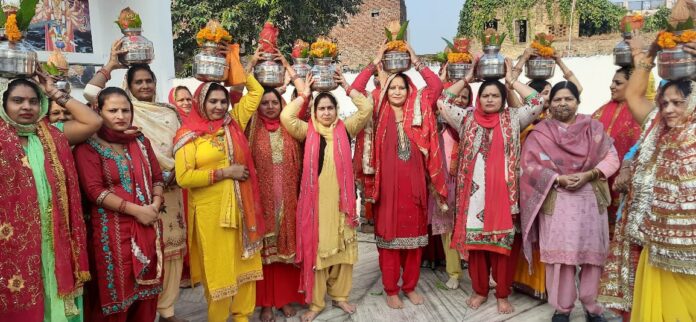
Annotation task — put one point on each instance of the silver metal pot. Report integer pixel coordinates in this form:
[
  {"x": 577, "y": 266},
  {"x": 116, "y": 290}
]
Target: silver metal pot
[
  {"x": 457, "y": 71},
  {"x": 675, "y": 64},
  {"x": 140, "y": 49},
  {"x": 492, "y": 64},
  {"x": 209, "y": 65},
  {"x": 541, "y": 68},
  {"x": 395, "y": 62},
  {"x": 17, "y": 60},
  {"x": 301, "y": 67},
  {"x": 63, "y": 85},
  {"x": 622, "y": 52},
  {"x": 323, "y": 74},
  {"x": 268, "y": 72}
]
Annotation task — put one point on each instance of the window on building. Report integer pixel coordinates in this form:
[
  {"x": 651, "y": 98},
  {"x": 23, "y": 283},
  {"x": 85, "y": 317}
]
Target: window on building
[
  {"x": 521, "y": 30},
  {"x": 558, "y": 30},
  {"x": 375, "y": 13},
  {"x": 491, "y": 24}
]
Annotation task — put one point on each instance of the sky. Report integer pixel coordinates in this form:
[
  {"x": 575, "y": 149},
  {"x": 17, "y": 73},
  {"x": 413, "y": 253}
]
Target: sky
[{"x": 429, "y": 20}]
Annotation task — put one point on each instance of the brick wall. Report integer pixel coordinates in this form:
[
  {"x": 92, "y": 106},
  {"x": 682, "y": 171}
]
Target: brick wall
[{"x": 359, "y": 38}]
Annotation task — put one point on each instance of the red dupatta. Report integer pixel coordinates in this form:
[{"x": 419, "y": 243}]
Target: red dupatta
[
  {"x": 308, "y": 204},
  {"x": 238, "y": 152},
  {"x": 420, "y": 127},
  {"x": 279, "y": 181},
  {"x": 20, "y": 226}
]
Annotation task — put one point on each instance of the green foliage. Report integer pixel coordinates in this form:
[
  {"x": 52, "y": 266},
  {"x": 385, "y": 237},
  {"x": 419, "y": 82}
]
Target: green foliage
[
  {"x": 595, "y": 16},
  {"x": 26, "y": 12},
  {"x": 402, "y": 31},
  {"x": 388, "y": 34},
  {"x": 303, "y": 19},
  {"x": 657, "y": 21},
  {"x": 51, "y": 69}
]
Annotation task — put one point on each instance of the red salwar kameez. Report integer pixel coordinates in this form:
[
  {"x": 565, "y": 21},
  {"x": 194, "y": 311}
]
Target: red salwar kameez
[
  {"x": 277, "y": 156},
  {"x": 125, "y": 255},
  {"x": 394, "y": 172}
]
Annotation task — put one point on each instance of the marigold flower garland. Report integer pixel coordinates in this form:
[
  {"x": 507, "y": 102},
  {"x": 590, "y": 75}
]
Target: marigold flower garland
[
  {"x": 323, "y": 47},
  {"x": 213, "y": 32}
]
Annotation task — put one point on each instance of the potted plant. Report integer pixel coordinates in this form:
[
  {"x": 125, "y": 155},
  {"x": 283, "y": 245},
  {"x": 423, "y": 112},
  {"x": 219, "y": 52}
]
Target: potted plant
[
  {"x": 17, "y": 59},
  {"x": 673, "y": 63},
  {"x": 139, "y": 49},
  {"x": 323, "y": 51},
  {"x": 542, "y": 65},
  {"x": 209, "y": 65},
  {"x": 492, "y": 63},
  {"x": 396, "y": 57}
]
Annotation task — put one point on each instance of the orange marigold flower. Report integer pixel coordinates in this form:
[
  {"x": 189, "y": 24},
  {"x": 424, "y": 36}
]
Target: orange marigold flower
[
  {"x": 459, "y": 58},
  {"x": 11, "y": 30},
  {"x": 667, "y": 40},
  {"x": 397, "y": 45},
  {"x": 687, "y": 36}
]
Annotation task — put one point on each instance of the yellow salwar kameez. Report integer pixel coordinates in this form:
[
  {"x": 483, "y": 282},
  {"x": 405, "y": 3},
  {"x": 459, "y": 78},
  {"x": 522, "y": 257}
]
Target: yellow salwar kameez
[
  {"x": 337, "y": 250},
  {"x": 216, "y": 251}
]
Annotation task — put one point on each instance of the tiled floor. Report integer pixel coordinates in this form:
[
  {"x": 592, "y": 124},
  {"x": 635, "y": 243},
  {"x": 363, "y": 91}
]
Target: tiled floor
[{"x": 441, "y": 304}]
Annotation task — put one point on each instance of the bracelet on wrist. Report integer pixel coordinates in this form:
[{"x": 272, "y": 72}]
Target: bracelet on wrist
[
  {"x": 105, "y": 73},
  {"x": 63, "y": 100}
]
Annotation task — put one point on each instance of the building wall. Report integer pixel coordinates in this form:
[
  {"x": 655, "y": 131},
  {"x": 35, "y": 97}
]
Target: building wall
[{"x": 359, "y": 38}]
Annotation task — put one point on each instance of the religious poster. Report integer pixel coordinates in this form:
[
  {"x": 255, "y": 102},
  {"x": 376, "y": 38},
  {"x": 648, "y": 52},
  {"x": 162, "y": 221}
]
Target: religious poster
[{"x": 61, "y": 25}]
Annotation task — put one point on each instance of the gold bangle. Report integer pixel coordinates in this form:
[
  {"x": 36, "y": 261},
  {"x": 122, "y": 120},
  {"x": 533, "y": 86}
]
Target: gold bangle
[{"x": 646, "y": 66}]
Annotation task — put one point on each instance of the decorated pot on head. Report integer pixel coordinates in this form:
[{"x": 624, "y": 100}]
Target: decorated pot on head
[
  {"x": 396, "y": 58},
  {"x": 209, "y": 64},
  {"x": 457, "y": 57},
  {"x": 323, "y": 51},
  {"x": 492, "y": 63},
  {"x": 268, "y": 71},
  {"x": 300, "y": 57},
  {"x": 17, "y": 58},
  {"x": 57, "y": 67},
  {"x": 673, "y": 63},
  {"x": 139, "y": 50},
  {"x": 542, "y": 65}
]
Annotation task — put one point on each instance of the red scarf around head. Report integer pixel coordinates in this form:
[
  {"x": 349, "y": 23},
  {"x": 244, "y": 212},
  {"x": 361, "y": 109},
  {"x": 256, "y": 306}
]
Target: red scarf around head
[
  {"x": 20, "y": 226},
  {"x": 497, "y": 218},
  {"x": 425, "y": 135},
  {"x": 308, "y": 203}
]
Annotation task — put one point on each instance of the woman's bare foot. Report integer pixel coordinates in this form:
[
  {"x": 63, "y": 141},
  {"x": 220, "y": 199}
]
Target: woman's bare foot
[
  {"x": 505, "y": 307},
  {"x": 394, "y": 302},
  {"x": 267, "y": 314},
  {"x": 288, "y": 310},
  {"x": 475, "y": 301},
  {"x": 452, "y": 283},
  {"x": 309, "y": 316},
  {"x": 415, "y": 298},
  {"x": 345, "y": 306}
]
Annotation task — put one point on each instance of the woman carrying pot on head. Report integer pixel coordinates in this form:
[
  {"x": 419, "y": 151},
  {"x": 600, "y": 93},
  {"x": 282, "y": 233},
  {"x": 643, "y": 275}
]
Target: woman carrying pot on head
[
  {"x": 278, "y": 160},
  {"x": 400, "y": 152},
  {"x": 124, "y": 186},
  {"x": 158, "y": 122},
  {"x": 659, "y": 212},
  {"x": 564, "y": 199},
  {"x": 226, "y": 229},
  {"x": 326, "y": 210},
  {"x": 442, "y": 221},
  {"x": 489, "y": 145},
  {"x": 42, "y": 232}
]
